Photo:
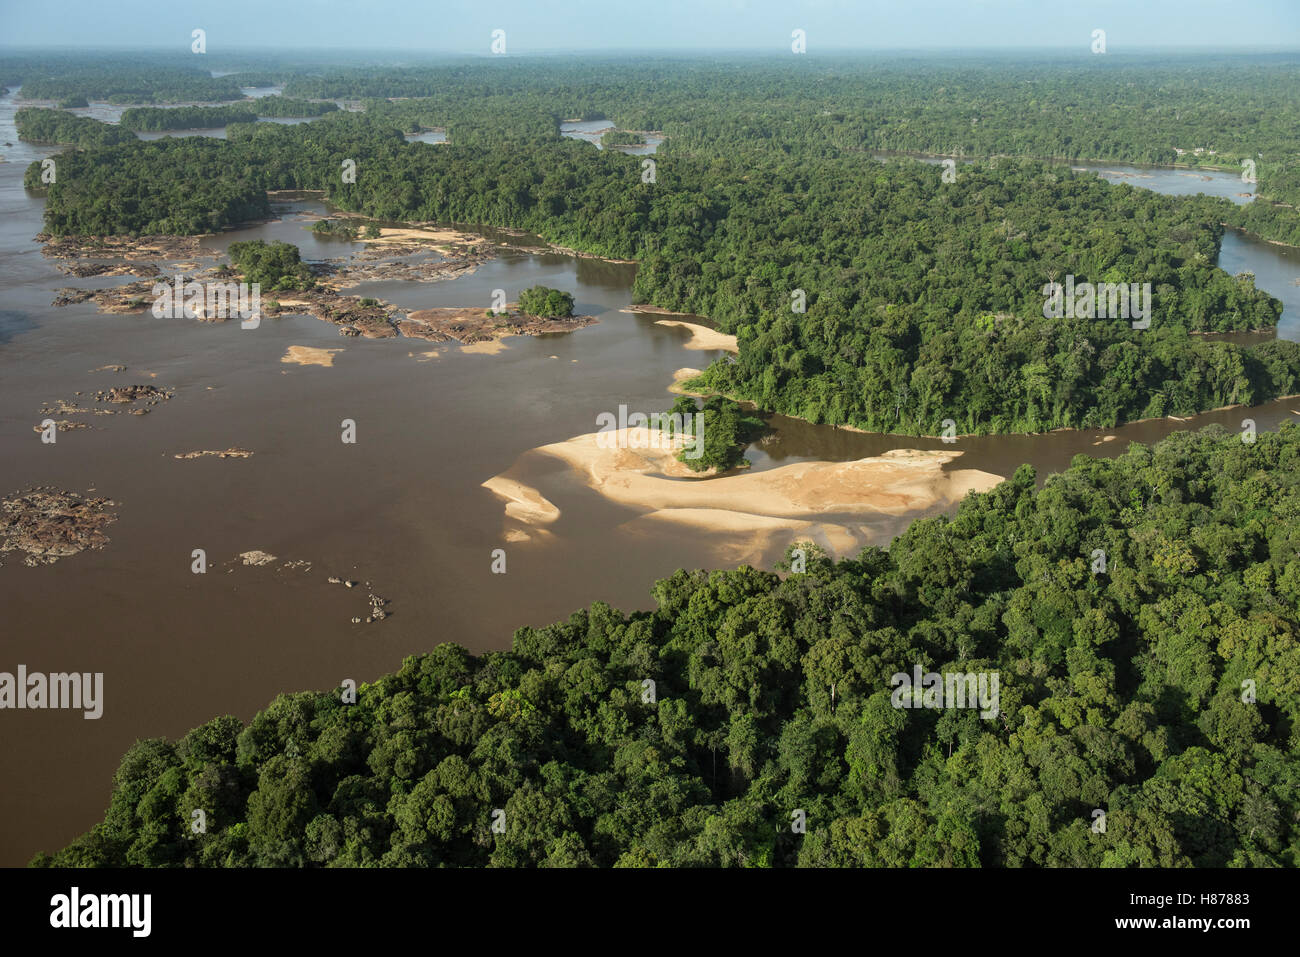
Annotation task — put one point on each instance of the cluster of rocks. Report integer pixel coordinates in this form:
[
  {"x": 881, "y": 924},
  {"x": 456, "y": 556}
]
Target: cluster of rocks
[
  {"x": 121, "y": 394},
  {"x": 62, "y": 425},
  {"x": 170, "y": 248},
  {"x": 147, "y": 395},
  {"x": 48, "y": 523},
  {"x": 134, "y": 297},
  {"x": 353, "y": 315},
  {"x": 377, "y": 612},
  {"x": 378, "y": 604},
  {"x": 84, "y": 270},
  {"x": 475, "y": 324},
  {"x": 417, "y": 270},
  {"x": 226, "y": 454}
]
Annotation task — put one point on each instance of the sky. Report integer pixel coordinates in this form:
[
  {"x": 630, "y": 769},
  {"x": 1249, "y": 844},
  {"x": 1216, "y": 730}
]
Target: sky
[{"x": 558, "y": 26}]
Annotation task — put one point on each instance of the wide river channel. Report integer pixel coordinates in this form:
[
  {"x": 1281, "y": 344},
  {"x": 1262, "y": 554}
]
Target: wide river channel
[{"x": 402, "y": 509}]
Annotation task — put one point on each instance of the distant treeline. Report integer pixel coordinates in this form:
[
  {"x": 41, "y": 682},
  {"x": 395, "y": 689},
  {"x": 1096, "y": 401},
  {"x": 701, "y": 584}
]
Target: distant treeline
[
  {"x": 283, "y": 106},
  {"x": 57, "y": 127},
  {"x": 923, "y": 300},
  {"x": 153, "y": 119},
  {"x": 125, "y": 82},
  {"x": 1131, "y": 628},
  {"x": 1230, "y": 107}
]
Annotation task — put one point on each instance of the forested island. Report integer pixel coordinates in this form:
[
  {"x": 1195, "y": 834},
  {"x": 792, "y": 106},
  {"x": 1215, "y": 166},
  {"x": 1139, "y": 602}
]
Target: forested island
[
  {"x": 727, "y": 430},
  {"x": 156, "y": 119},
  {"x": 1160, "y": 687},
  {"x": 115, "y": 79},
  {"x": 344, "y": 229},
  {"x": 276, "y": 266},
  {"x": 545, "y": 302},
  {"x": 922, "y": 300},
  {"x": 36, "y": 125},
  {"x": 622, "y": 138}
]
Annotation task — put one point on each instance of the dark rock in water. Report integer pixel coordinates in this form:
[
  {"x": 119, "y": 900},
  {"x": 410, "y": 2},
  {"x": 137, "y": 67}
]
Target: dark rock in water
[
  {"x": 48, "y": 523},
  {"x": 149, "y": 394}
]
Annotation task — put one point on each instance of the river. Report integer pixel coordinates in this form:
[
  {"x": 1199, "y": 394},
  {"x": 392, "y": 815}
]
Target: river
[{"x": 403, "y": 509}]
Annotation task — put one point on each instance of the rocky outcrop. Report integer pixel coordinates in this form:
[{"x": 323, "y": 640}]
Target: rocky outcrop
[{"x": 46, "y": 524}]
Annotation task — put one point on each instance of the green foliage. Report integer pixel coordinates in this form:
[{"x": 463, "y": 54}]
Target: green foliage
[
  {"x": 335, "y": 227},
  {"x": 37, "y": 125},
  {"x": 622, "y": 138},
  {"x": 727, "y": 430},
  {"x": 155, "y": 119},
  {"x": 115, "y": 78},
  {"x": 284, "y": 107},
  {"x": 546, "y": 302},
  {"x": 274, "y": 265},
  {"x": 924, "y": 298},
  {"x": 150, "y": 119},
  {"x": 1120, "y": 691}
]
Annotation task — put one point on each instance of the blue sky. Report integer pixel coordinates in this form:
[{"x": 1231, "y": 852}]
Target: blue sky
[{"x": 537, "y": 26}]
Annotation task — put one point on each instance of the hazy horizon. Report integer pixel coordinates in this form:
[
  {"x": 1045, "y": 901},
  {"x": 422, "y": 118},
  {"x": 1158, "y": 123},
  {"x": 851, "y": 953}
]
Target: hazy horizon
[{"x": 459, "y": 27}]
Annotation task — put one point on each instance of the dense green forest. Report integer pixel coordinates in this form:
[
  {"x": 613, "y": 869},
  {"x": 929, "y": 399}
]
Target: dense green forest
[
  {"x": 36, "y": 125},
  {"x": 622, "y": 138},
  {"x": 285, "y": 106},
  {"x": 343, "y": 229},
  {"x": 728, "y": 429},
  {"x": 923, "y": 299},
  {"x": 116, "y": 80},
  {"x": 1134, "y": 109},
  {"x": 1157, "y": 110},
  {"x": 1160, "y": 687},
  {"x": 153, "y": 119},
  {"x": 274, "y": 265},
  {"x": 546, "y": 302}
]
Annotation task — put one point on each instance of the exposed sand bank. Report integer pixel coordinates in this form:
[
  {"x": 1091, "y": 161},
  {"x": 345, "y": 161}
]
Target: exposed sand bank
[
  {"x": 653, "y": 311},
  {"x": 489, "y": 347},
  {"x": 422, "y": 236},
  {"x": 749, "y": 512},
  {"x": 702, "y": 337},
  {"x": 522, "y": 502},
  {"x": 310, "y": 356}
]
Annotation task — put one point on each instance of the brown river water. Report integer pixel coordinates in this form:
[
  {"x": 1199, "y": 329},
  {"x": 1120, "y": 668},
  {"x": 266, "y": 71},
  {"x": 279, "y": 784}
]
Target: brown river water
[{"x": 402, "y": 509}]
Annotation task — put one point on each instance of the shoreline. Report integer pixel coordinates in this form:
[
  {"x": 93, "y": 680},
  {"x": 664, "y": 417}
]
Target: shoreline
[{"x": 676, "y": 388}]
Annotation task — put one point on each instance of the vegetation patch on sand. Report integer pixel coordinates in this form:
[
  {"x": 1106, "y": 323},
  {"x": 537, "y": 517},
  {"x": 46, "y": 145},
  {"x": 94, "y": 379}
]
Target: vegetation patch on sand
[
  {"x": 680, "y": 377},
  {"x": 805, "y": 497}
]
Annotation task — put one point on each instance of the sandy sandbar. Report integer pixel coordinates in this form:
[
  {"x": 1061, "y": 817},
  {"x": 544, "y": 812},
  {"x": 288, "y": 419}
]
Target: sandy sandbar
[
  {"x": 702, "y": 337},
  {"x": 839, "y": 504},
  {"x": 310, "y": 356}
]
